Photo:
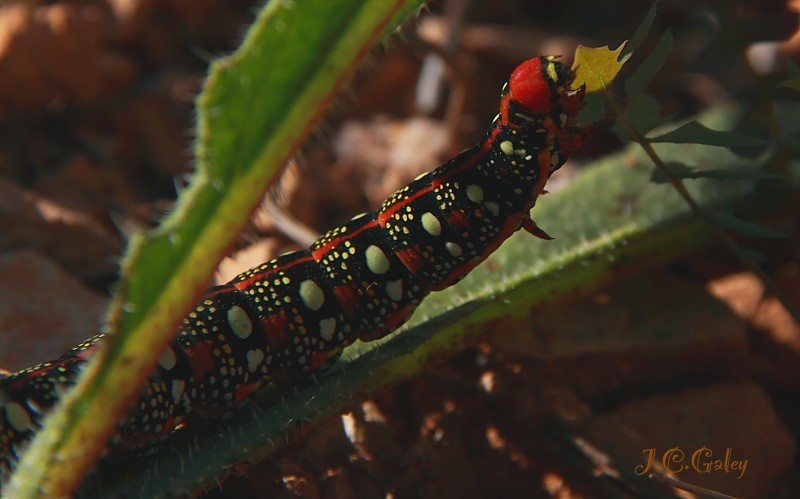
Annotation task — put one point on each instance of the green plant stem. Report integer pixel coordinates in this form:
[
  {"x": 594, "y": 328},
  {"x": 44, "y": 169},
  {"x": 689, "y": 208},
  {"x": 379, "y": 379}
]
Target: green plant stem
[{"x": 719, "y": 233}]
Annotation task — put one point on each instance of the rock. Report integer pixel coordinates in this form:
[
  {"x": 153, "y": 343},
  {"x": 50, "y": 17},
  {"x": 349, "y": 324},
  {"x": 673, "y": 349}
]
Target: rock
[
  {"x": 43, "y": 310},
  {"x": 59, "y": 55},
  {"x": 71, "y": 237}
]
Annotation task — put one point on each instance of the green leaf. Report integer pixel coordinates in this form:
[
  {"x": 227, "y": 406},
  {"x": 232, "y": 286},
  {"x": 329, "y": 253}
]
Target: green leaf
[
  {"x": 751, "y": 254},
  {"x": 641, "y": 32},
  {"x": 256, "y": 108},
  {"x": 682, "y": 171},
  {"x": 637, "y": 82},
  {"x": 794, "y": 77},
  {"x": 677, "y": 170},
  {"x": 729, "y": 222},
  {"x": 793, "y": 83},
  {"x": 643, "y": 112},
  {"x": 596, "y": 67},
  {"x": 734, "y": 175},
  {"x": 593, "y": 110},
  {"x": 793, "y": 69},
  {"x": 696, "y": 133},
  {"x": 792, "y": 145}
]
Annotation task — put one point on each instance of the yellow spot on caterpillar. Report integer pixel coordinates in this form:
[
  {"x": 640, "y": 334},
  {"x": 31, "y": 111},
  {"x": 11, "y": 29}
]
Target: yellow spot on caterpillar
[
  {"x": 167, "y": 359},
  {"x": 507, "y": 147},
  {"x": 453, "y": 248},
  {"x": 239, "y": 321},
  {"x": 326, "y": 328},
  {"x": 475, "y": 193},
  {"x": 395, "y": 289},
  {"x": 551, "y": 71},
  {"x": 254, "y": 359},
  {"x": 17, "y": 417},
  {"x": 431, "y": 224},
  {"x": 377, "y": 262},
  {"x": 311, "y": 294},
  {"x": 178, "y": 387},
  {"x": 493, "y": 207}
]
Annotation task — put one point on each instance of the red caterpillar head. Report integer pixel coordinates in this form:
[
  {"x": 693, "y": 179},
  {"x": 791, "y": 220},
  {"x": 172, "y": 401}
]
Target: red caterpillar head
[
  {"x": 538, "y": 84},
  {"x": 539, "y": 95}
]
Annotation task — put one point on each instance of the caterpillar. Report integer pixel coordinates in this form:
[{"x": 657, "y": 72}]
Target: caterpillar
[{"x": 292, "y": 316}]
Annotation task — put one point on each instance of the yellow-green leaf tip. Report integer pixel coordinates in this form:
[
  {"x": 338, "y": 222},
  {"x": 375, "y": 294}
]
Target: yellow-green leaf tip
[{"x": 597, "y": 67}]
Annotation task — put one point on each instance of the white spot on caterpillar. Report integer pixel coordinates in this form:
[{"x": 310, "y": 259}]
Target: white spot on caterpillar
[
  {"x": 17, "y": 417},
  {"x": 239, "y": 321},
  {"x": 421, "y": 176},
  {"x": 311, "y": 294},
  {"x": 326, "y": 328},
  {"x": 377, "y": 262},
  {"x": 493, "y": 207},
  {"x": 453, "y": 248},
  {"x": 254, "y": 359},
  {"x": 507, "y": 147},
  {"x": 178, "y": 386},
  {"x": 350, "y": 428},
  {"x": 395, "y": 289},
  {"x": 359, "y": 216},
  {"x": 431, "y": 224},
  {"x": 167, "y": 359},
  {"x": 475, "y": 193}
]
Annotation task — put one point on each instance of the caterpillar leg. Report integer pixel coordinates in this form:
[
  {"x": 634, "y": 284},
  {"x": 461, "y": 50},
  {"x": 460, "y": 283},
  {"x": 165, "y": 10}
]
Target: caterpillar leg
[{"x": 529, "y": 225}]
